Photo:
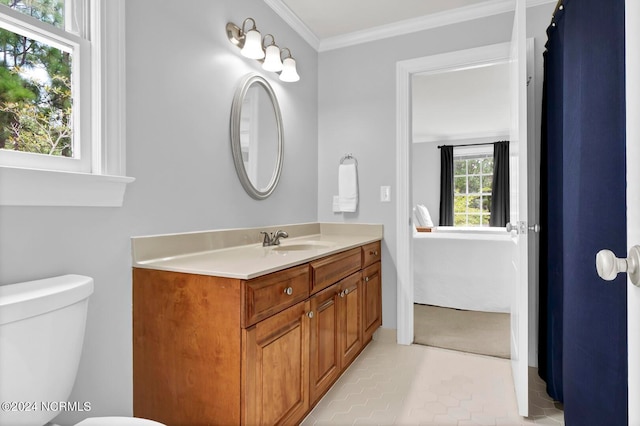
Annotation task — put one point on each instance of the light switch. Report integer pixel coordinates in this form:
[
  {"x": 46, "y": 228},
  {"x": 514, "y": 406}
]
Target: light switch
[{"x": 385, "y": 194}]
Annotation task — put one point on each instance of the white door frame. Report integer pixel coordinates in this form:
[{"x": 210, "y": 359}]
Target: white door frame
[
  {"x": 632, "y": 37},
  {"x": 463, "y": 59}
]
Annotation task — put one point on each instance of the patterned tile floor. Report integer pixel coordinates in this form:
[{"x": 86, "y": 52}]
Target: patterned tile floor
[{"x": 419, "y": 385}]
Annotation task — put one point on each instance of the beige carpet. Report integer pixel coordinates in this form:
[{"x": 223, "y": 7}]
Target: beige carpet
[{"x": 484, "y": 333}]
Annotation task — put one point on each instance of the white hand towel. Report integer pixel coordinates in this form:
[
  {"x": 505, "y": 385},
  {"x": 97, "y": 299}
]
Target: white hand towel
[{"x": 348, "y": 187}]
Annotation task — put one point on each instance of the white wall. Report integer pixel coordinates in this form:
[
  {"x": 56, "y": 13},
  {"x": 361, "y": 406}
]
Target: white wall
[
  {"x": 460, "y": 104},
  {"x": 357, "y": 114},
  {"x": 181, "y": 75}
]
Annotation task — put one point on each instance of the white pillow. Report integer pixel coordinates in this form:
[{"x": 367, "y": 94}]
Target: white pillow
[
  {"x": 426, "y": 217},
  {"x": 418, "y": 218}
]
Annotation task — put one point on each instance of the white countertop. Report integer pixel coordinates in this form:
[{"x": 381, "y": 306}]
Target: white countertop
[{"x": 236, "y": 254}]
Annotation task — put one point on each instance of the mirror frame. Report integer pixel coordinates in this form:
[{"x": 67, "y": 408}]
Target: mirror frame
[{"x": 236, "y": 112}]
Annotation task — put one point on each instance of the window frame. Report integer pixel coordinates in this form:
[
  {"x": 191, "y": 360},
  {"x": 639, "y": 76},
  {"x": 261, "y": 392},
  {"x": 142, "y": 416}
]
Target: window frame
[
  {"x": 471, "y": 153},
  {"x": 101, "y": 180},
  {"x": 80, "y": 49}
]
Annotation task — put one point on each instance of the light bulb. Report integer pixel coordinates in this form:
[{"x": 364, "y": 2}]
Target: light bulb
[
  {"x": 272, "y": 60},
  {"x": 289, "y": 72},
  {"x": 252, "y": 45}
]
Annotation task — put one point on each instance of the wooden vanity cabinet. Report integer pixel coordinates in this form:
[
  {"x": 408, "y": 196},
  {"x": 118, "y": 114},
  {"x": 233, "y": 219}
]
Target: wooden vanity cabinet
[{"x": 210, "y": 350}]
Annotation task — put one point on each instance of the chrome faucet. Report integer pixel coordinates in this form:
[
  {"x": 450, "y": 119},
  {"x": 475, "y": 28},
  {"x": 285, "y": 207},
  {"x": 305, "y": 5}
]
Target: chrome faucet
[
  {"x": 279, "y": 234},
  {"x": 271, "y": 239}
]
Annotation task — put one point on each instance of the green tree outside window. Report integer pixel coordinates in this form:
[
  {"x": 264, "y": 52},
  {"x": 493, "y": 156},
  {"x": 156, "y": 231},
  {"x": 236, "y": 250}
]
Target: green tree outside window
[{"x": 35, "y": 86}]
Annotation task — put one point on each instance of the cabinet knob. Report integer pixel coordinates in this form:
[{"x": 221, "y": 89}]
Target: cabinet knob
[
  {"x": 341, "y": 294},
  {"x": 366, "y": 279},
  {"x": 288, "y": 291},
  {"x": 373, "y": 252},
  {"x": 346, "y": 291},
  {"x": 310, "y": 314}
]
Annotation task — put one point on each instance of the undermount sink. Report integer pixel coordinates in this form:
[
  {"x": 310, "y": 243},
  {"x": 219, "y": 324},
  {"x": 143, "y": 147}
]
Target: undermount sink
[{"x": 303, "y": 245}]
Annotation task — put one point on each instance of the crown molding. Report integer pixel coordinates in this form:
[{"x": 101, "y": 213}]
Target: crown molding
[
  {"x": 468, "y": 13},
  {"x": 294, "y": 22}
]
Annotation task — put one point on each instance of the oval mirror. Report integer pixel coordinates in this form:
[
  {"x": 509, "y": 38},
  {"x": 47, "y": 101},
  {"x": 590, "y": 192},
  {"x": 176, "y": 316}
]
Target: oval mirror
[{"x": 256, "y": 136}]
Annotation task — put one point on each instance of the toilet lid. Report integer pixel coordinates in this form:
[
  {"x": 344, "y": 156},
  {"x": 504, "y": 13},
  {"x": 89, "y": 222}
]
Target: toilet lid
[{"x": 118, "y": 421}]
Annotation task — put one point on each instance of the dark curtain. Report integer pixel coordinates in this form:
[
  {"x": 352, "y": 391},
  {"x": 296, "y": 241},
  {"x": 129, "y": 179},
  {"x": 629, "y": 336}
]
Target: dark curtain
[
  {"x": 583, "y": 328},
  {"x": 551, "y": 237},
  {"x": 446, "y": 186},
  {"x": 500, "y": 186}
]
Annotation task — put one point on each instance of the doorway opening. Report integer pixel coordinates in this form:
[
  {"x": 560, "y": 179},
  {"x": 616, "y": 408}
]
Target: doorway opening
[
  {"x": 462, "y": 276},
  {"x": 431, "y": 65}
]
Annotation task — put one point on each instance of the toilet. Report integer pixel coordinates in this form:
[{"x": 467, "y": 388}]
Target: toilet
[{"x": 42, "y": 325}]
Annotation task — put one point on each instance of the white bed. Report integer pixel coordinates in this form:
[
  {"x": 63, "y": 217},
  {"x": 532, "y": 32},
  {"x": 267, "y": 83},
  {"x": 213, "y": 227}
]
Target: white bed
[{"x": 468, "y": 268}]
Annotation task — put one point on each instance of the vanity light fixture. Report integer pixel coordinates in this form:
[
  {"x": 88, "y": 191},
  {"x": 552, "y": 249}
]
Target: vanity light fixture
[
  {"x": 253, "y": 46},
  {"x": 289, "y": 72}
]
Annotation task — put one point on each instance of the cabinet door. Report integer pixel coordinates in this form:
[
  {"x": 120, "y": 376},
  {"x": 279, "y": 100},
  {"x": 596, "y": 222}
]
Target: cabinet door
[
  {"x": 372, "y": 299},
  {"x": 350, "y": 318},
  {"x": 276, "y": 368},
  {"x": 324, "y": 341}
]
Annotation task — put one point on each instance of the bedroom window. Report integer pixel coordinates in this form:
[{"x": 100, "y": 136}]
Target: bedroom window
[{"x": 472, "y": 180}]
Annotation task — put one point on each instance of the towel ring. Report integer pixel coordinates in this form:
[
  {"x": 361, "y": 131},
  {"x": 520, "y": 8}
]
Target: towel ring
[{"x": 348, "y": 157}]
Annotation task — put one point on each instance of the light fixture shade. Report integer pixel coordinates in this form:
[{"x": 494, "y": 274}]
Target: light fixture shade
[
  {"x": 272, "y": 61},
  {"x": 289, "y": 72},
  {"x": 253, "y": 45}
]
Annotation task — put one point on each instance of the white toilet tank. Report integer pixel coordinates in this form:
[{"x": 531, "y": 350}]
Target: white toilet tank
[{"x": 41, "y": 334}]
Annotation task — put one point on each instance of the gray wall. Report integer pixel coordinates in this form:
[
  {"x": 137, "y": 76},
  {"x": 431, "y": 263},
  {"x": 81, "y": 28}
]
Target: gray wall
[
  {"x": 357, "y": 101},
  {"x": 425, "y": 174},
  {"x": 181, "y": 76}
]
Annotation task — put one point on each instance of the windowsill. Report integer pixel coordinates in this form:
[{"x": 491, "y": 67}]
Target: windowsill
[
  {"x": 32, "y": 187},
  {"x": 465, "y": 233},
  {"x": 482, "y": 230}
]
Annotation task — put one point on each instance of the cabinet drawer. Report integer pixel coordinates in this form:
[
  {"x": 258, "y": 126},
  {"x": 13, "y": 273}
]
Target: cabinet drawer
[
  {"x": 331, "y": 269},
  {"x": 370, "y": 254},
  {"x": 269, "y": 294}
]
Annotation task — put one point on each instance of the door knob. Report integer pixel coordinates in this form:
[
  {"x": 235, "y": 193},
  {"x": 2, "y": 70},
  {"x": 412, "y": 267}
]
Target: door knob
[
  {"x": 510, "y": 227},
  {"x": 534, "y": 228},
  {"x": 609, "y": 266}
]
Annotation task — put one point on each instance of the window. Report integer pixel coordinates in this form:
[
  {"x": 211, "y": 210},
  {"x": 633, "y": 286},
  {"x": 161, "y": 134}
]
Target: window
[
  {"x": 61, "y": 102},
  {"x": 41, "y": 55},
  {"x": 472, "y": 180}
]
